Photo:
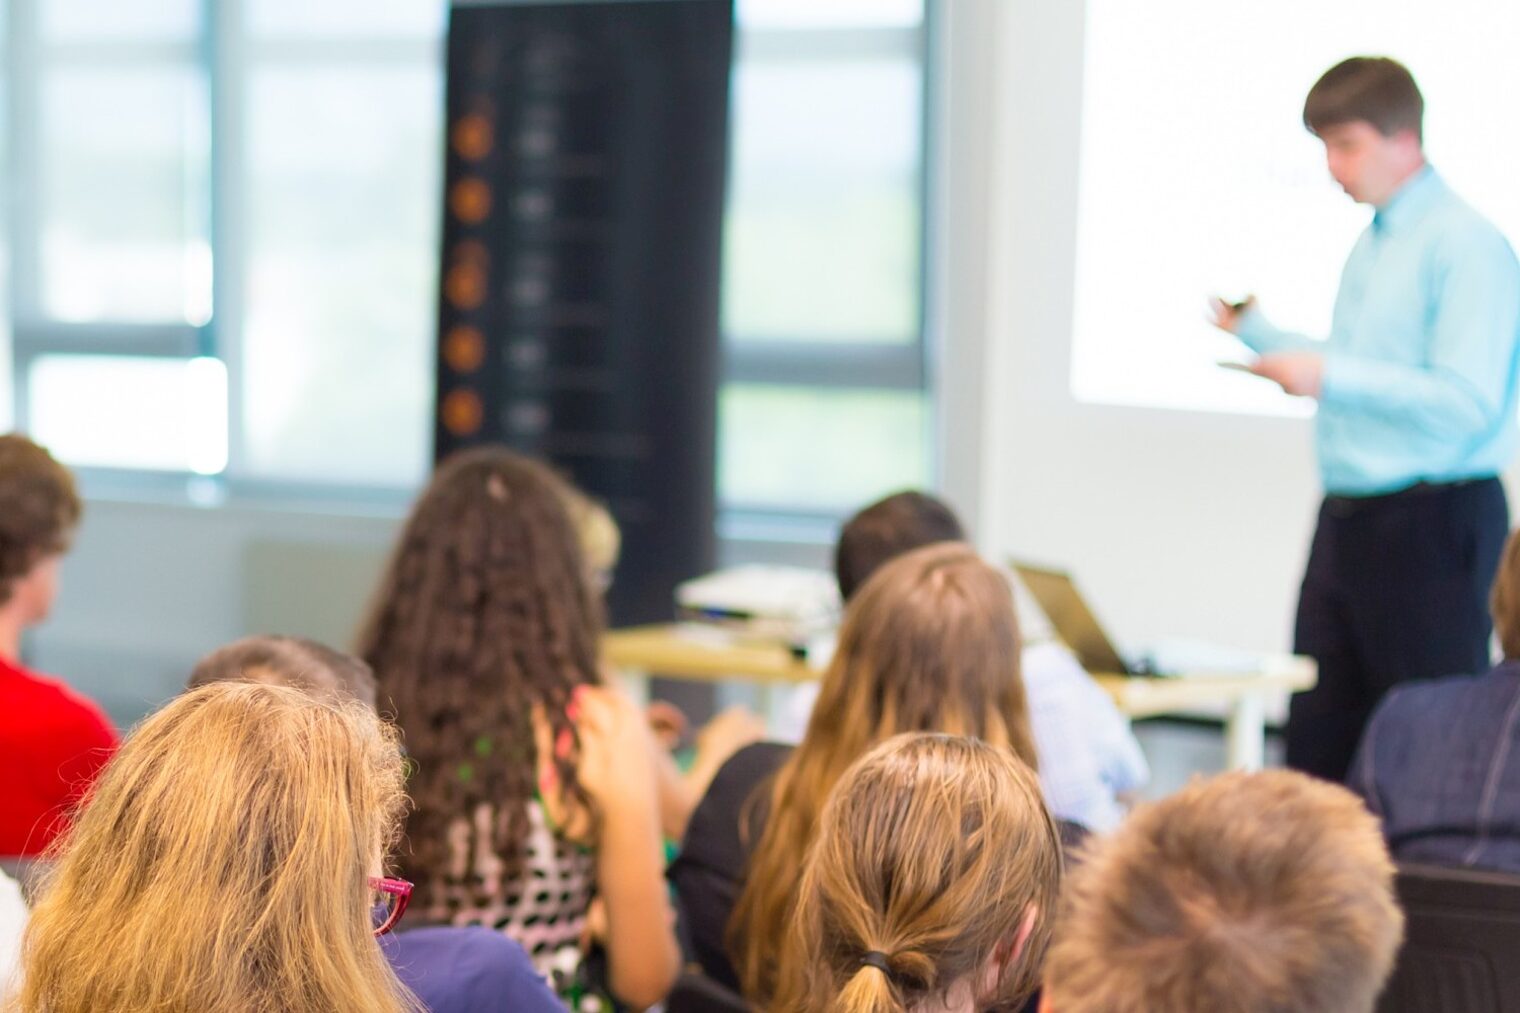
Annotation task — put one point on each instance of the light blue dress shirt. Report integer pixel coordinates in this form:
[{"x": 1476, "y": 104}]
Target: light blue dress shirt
[{"x": 1421, "y": 364}]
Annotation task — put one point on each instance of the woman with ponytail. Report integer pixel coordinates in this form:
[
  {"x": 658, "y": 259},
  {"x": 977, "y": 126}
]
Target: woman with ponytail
[
  {"x": 930, "y": 885},
  {"x": 928, "y": 644}
]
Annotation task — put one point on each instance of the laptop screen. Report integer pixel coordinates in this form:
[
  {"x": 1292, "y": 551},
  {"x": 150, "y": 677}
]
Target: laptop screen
[{"x": 1073, "y": 620}]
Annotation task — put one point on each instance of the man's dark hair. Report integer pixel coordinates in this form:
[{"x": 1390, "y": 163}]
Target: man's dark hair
[
  {"x": 888, "y": 528},
  {"x": 1373, "y": 89}
]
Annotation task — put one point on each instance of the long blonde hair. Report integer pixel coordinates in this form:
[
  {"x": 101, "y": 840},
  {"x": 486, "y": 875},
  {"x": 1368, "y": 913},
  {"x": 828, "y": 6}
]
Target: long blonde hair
[
  {"x": 932, "y": 852},
  {"x": 221, "y": 864},
  {"x": 929, "y": 644}
]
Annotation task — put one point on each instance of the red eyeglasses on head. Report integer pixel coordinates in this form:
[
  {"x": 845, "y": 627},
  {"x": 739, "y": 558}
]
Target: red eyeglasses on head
[{"x": 397, "y": 894}]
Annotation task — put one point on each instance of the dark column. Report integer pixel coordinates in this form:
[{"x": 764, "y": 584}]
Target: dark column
[{"x": 578, "y": 315}]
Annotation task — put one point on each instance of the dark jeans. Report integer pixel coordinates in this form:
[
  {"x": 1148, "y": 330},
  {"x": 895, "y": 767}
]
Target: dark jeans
[{"x": 1396, "y": 589}]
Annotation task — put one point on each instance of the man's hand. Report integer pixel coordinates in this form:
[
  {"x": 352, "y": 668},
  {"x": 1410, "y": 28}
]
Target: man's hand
[
  {"x": 1226, "y": 315},
  {"x": 1297, "y": 373}
]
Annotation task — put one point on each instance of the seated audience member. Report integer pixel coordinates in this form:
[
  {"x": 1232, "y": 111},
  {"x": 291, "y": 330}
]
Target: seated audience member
[
  {"x": 931, "y": 885},
  {"x": 534, "y": 786},
  {"x": 306, "y": 665},
  {"x": 680, "y": 791},
  {"x": 597, "y": 532},
  {"x": 1089, "y": 758},
  {"x": 1439, "y": 761},
  {"x": 227, "y": 859},
  {"x": 451, "y": 969},
  {"x": 53, "y": 741},
  {"x": 929, "y": 644},
  {"x": 1244, "y": 893}
]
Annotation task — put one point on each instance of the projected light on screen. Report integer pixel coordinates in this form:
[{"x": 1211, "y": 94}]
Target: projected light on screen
[{"x": 1197, "y": 176}]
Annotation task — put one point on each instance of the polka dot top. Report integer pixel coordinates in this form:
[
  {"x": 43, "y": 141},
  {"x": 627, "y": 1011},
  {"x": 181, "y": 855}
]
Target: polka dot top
[{"x": 543, "y": 907}]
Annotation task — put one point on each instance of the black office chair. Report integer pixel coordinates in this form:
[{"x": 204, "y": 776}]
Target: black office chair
[{"x": 1462, "y": 939}]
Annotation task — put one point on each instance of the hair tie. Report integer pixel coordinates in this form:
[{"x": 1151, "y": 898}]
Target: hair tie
[{"x": 878, "y": 960}]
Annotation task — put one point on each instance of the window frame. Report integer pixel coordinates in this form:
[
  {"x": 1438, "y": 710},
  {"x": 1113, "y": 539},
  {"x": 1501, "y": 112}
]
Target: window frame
[
  {"x": 225, "y": 52},
  {"x": 843, "y": 365}
]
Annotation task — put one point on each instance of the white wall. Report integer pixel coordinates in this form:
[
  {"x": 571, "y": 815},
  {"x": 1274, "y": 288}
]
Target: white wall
[
  {"x": 1178, "y": 524},
  {"x": 151, "y": 586}
]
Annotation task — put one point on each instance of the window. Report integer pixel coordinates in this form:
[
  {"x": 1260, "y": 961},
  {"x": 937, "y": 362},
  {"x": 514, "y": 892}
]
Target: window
[
  {"x": 6, "y": 408},
  {"x": 110, "y": 233},
  {"x": 824, "y": 408},
  {"x": 341, "y": 138},
  {"x": 223, "y": 253},
  {"x": 1197, "y": 176}
]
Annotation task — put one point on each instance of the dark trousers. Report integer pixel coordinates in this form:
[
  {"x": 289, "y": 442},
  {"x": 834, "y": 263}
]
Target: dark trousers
[{"x": 1396, "y": 589}]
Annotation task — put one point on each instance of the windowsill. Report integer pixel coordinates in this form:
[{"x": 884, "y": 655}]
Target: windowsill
[
  {"x": 196, "y": 492},
  {"x": 743, "y": 532}
]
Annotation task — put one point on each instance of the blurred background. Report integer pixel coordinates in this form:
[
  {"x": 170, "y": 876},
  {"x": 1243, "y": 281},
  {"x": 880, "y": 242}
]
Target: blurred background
[{"x": 967, "y": 247}]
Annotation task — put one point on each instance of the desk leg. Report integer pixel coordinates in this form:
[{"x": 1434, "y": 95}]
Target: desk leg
[
  {"x": 636, "y": 685},
  {"x": 1246, "y": 733},
  {"x": 766, "y": 702}
]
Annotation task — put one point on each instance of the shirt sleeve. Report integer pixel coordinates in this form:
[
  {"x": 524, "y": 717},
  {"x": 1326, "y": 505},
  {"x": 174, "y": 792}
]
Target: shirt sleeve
[
  {"x": 521, "y": 987},
  {"x": 1121, "y": 762},
  {"x": 1461, "y": 388},
  {"x": 87, "y": 749},
  {"x": 1263, "y": 337},
  {"x": 65, "y": 761}
]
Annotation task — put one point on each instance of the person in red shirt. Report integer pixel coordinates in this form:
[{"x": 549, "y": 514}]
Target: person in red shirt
[{"x": 53, "y": 741}]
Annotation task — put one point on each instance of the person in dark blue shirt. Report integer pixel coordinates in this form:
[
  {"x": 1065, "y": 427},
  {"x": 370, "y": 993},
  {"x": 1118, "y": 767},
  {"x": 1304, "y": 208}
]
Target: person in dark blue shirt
[{"x": 1440, "y": 762}]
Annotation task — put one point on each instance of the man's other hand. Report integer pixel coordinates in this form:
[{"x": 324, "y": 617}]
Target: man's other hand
[
  {"x": 1226, "y": 315},
  {"x": 1297, "y": 373}
]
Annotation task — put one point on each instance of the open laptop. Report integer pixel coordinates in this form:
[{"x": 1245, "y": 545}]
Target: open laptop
[
  {"x": 1057, "y": 595},
  {"x": 1074, "y": 622}
]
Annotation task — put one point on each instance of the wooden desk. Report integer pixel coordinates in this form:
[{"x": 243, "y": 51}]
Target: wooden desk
[{"x": 665, "y": 650}]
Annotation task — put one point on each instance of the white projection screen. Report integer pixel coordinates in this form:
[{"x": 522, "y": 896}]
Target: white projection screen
[{"x": 1197, "y": 176}]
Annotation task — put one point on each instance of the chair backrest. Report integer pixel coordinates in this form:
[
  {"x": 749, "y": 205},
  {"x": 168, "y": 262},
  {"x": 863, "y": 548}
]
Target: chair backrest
[
  {"x": 1461, "y": 942},
  {"x": 697, "y": 993}
]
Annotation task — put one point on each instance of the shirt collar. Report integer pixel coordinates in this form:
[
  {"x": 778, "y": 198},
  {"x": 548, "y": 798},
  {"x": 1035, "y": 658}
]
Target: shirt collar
[{"x": 1406, "y": 206}]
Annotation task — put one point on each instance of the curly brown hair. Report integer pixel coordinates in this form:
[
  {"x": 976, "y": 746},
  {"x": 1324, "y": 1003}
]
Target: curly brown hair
[
  {"x": 484, "y": 612},
  {"x": 39, "y": 508}
]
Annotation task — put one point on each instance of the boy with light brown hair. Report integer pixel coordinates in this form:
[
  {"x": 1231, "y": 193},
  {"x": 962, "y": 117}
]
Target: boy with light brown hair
[{"x": 1269, "y": 892}]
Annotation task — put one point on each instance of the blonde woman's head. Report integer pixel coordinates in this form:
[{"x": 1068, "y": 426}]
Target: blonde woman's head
[
  {"x": 599, "y": 535},
  {"x": 931, "y": 884},
  {"x": 222, "y": 863}
]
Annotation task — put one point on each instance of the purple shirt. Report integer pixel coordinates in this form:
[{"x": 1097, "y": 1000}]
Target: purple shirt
[{"x": 467, "y": 969}]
